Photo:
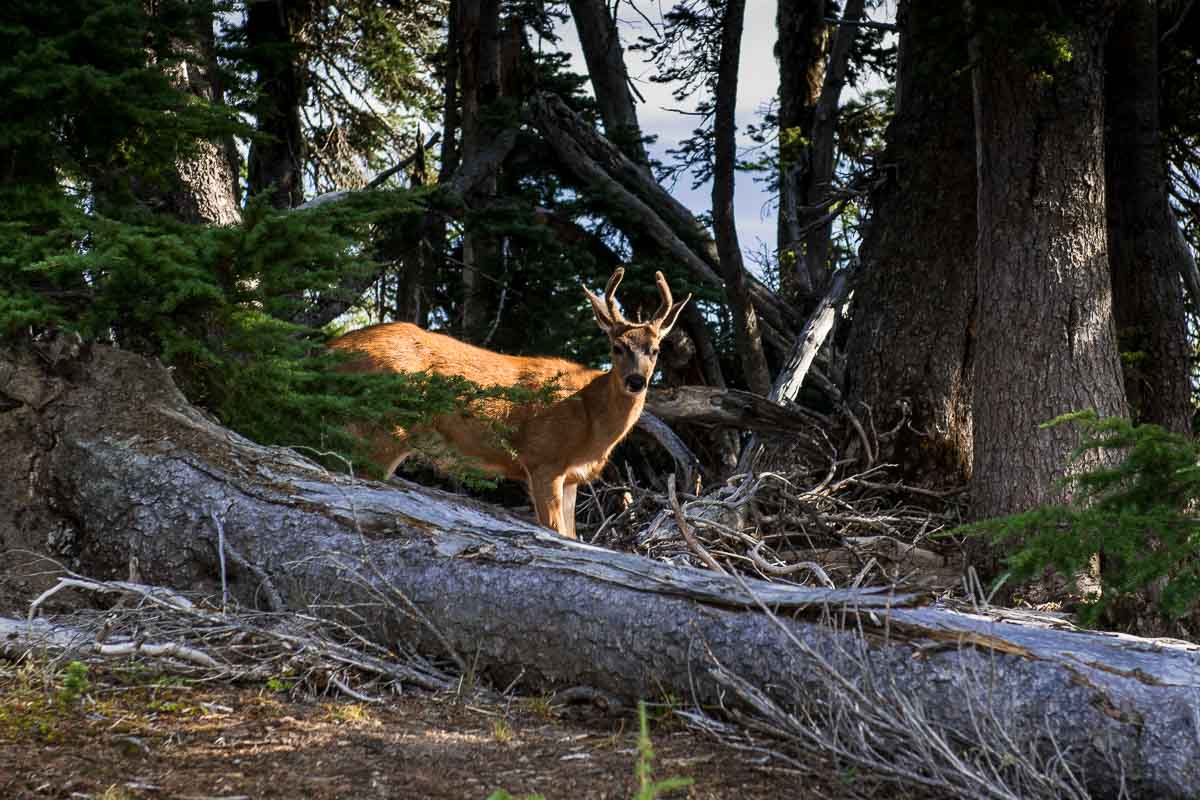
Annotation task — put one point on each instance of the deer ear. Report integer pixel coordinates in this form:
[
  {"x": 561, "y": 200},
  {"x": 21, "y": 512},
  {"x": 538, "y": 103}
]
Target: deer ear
[
  {"x": 669, "y": 320},
  {"x": 602, "y": 318}
]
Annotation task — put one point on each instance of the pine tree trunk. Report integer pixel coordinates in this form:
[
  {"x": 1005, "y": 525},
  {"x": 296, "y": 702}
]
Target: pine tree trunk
[
  {"x": 815, "y": 221},
  {"x": 911, "y": 344},
  {"x": 204, "y": 186},
  {"x": 1046, "y": 337},
  {"x": 276, "y": 159},
  {"x": 745, "y": 320},
  {"x": 801, "y": 53},
  {"x": 1144, "y": 248},
  {"x": 480, "y": 75}
]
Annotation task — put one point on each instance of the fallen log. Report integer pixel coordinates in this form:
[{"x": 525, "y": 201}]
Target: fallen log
[
  {"x": 111, "y": 471},
  {"x": 731, "y": 408}
]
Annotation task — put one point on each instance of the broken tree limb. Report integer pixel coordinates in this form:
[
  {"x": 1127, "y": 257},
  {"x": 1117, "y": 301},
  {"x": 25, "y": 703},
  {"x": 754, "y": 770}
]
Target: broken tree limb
[
  {"x": 730, "y": 408},
  {"x": 786, "y": 387},
  {"x": 107, "y": 464},
  {"x": 600, "y": 164},
  {"x": 687, "y": 465}
]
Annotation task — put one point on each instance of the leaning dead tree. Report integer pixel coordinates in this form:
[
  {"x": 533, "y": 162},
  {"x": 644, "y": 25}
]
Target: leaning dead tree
[{"x": 111, "y": 472}]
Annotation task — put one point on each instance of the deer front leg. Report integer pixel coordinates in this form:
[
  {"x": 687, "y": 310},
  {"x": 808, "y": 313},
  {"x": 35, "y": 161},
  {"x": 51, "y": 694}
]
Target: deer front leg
[
  {"x": 547, "y": 492},
  {"x": 568, "y": 510}
]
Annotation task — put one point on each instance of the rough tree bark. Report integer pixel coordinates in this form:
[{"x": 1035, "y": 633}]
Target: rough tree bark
[
  {"x": 800, "y": 50},
  {"x": 911, "y": 344},
  {"x": 115, "y": 471},
  {"x": 815, "y": 221},
  {"x": 1145, "y": 258},
  {"x": 203, "y": 187},
  {"x": 746, "y": 332},
  {"x": 1046, "y": 340},
  {"x": 479, "y": 71},
  {"x": 601, "y": 43},
  {"x": 276, "y": 160}
]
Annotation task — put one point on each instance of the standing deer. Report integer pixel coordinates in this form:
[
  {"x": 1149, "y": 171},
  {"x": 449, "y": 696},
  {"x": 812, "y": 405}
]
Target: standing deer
[{"x": 553, "y": 448}]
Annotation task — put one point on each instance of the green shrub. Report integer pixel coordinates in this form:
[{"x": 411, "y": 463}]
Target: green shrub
[{"x": 1139, "y": 514}]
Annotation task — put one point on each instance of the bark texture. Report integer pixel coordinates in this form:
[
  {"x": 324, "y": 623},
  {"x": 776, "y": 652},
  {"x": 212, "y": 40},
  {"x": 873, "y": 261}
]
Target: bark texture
[
  {"x": 479, "y": 66},
  {"x": 1046, "y": 339},
  {"x": 601, "y": 43},
  {"x": 816, "y": 223},
  {"x": 910, "y": 349},
  {"x": 276, "y": 158},
  {"x": 746, "y": 332},
  {"x": 1146, "y": 260},
  {"x": 800, "y": 51},
  {"x": 114, "y": 470},
  {"x": 203, "y": 187}
]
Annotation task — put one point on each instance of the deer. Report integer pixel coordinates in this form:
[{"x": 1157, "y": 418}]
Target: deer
[{"x": 552, "y": 447}]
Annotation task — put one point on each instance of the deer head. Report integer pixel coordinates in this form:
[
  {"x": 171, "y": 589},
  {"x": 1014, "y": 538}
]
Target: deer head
[{"x": 634, "y": 344}]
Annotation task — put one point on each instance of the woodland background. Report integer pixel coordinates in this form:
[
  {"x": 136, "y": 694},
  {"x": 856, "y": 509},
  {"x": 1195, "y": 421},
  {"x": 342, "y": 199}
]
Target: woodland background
[{"x": 986, "y": 218}]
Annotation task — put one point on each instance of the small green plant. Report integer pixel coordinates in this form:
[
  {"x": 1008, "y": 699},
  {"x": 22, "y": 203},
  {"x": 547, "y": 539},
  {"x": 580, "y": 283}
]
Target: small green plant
[
  {"x": 1140, "y": 514},
  {"x": 648, "y": 788},
  {"x": 500, "y": 794},
  {"x": 502, "y": 732},
  {"x": 280, "y": 684},
  {"x": 541, "y": 706},
  {"x": 74, "y": 683}
]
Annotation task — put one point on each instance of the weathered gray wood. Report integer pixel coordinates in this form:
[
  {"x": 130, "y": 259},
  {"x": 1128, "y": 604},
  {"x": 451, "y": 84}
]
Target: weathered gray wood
[
  {"x": 786, "y": 387},
  {"x": 732, "y": 408},
  {"x": 106, "y": 464}
]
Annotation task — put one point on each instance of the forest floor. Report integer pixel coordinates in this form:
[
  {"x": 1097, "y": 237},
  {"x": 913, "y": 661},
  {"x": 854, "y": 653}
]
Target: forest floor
[{"x": 124, "y": 734}]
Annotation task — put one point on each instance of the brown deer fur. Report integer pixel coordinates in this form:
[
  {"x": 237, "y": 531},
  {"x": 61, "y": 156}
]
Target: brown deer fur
[{"x": 554, "y": 447}]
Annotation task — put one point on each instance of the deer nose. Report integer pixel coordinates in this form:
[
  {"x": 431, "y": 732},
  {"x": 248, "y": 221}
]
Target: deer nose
[{"x": 635, "y": 383}]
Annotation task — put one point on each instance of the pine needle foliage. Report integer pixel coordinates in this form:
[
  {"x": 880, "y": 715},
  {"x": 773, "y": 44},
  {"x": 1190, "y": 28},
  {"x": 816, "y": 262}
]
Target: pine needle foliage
[
  {"x": 1139, "y": 514},
  {"x": 93, "y": 125}
]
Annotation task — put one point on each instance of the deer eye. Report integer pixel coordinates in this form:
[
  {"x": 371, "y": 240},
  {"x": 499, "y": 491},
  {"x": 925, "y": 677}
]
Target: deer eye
[{"x": 654, "y": 351}]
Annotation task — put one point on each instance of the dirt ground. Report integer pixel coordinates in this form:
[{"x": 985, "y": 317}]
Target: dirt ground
[{"x": 119, "y": 736}]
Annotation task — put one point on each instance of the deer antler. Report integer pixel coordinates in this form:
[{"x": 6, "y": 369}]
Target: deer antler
[
  {"x": 610, "y": 296},
  {"x": 667, "y": 300},
  {"x": 606, "y": 308}
]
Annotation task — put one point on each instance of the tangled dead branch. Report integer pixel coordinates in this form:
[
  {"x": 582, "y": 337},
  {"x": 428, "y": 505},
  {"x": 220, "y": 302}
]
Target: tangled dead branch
[
  {"x": 808, "y": 515},
  {"x": 867, "y": 725},
  {"x": 183, "y": 635}
]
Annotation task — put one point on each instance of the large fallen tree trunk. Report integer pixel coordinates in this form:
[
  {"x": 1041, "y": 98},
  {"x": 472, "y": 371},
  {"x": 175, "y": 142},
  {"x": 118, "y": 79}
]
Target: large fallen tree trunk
[{"x": 109, "y": 470}]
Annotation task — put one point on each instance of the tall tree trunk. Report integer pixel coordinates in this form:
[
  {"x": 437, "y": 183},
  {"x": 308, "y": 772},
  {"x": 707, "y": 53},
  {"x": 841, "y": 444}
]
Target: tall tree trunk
[
  {"x": 479, "y": 22},
  {"x": 911, "y": 344},
  {"x": 819, "y": 236},
  {"x": 412, "y": 304},
  {"x": 745, "y": 321},
  {"x": 800, "y": 50},
  {"x": 432, "y": 244},
  {"x": 203, "y": 186},
  {"x": 1046, "y": 339},
  {"x": 277, "y": 154},
  {"x": 1143, "y": 249},
  {"x": 605, "y": 59}
]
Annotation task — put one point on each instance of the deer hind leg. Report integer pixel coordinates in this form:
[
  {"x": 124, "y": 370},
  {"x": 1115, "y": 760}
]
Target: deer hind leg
[{"x": 547, "y": 492}]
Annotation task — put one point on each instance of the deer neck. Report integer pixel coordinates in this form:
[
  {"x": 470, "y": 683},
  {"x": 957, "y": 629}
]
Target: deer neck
[{"x": 612, "y": 410}]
